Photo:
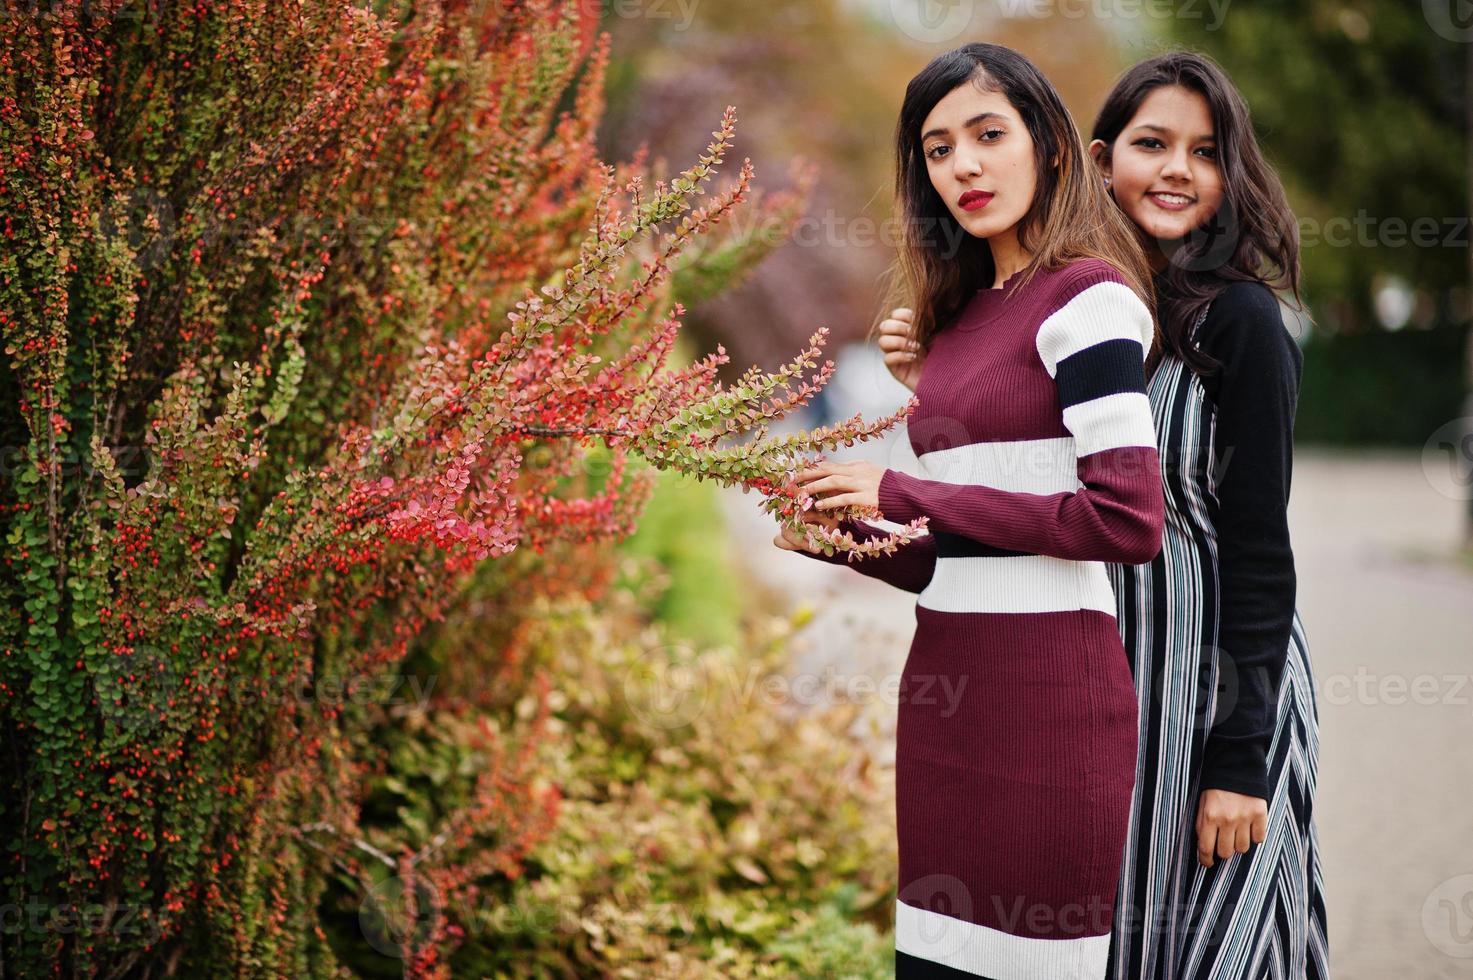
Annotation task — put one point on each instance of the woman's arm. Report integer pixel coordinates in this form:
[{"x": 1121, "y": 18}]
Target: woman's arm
[
  {"x": 1255, "y": 395},
  {"x": 908, "y": 568},
  {"x": 1093, "y": 346}
]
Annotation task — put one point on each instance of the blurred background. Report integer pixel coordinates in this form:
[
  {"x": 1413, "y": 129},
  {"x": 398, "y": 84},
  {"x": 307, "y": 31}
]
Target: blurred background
[{"x": 1364, "y": 109}]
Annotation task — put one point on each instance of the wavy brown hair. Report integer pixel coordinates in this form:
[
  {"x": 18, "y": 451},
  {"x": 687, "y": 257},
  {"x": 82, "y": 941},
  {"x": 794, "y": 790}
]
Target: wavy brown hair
[
  {"x": 941, "y": 265},
  {"x": 1253, "y": 237}
]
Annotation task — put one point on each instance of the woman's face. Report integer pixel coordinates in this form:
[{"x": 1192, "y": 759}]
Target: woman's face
[
  {"x": 979, "y": 156},
  {"x": 1163, "y": 166}
]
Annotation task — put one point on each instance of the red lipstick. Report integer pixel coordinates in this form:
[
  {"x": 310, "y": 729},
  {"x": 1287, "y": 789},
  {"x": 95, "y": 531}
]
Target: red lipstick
[{"x": 974, "y": 200}]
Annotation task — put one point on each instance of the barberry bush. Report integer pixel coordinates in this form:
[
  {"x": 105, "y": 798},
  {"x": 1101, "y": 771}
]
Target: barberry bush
[{"x": 323, "y": 323}]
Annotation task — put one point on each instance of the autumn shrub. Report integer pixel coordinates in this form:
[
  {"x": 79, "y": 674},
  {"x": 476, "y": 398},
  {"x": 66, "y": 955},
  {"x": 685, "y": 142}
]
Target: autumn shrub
[
  {"x": 311, "y": 313},
  {"x": 707, "y": 827}
]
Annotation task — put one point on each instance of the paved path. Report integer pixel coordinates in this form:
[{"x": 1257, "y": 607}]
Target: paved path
[{"x": 1389, "y": 615}]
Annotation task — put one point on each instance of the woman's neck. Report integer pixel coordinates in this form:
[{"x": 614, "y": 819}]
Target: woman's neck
[
  {"x": 1155, "y": 257},
  {"x": 1008, "y": 257}
]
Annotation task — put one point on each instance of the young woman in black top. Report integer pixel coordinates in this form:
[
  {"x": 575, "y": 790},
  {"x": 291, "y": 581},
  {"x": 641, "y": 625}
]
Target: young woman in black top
[{"x": 1221, "y": 874}]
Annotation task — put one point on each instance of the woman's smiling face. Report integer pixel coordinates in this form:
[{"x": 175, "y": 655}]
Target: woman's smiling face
[
  {"x": 980, "y": 159},
  {"x": 1163, "y": 167}
]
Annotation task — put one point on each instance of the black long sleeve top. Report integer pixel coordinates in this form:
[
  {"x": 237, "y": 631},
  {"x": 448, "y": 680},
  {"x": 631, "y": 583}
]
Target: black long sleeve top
[{"x": 1254, "y": 396}]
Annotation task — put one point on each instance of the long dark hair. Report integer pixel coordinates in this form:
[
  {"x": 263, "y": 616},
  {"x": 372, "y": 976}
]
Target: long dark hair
[
  {"x": 1253, "y": 237},
  {"x": 942, "y": 265}
]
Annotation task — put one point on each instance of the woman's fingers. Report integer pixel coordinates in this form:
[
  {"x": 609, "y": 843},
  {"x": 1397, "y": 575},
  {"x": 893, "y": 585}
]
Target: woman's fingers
[
  {"x": 826, "y": 484},
  {"x": 1260, "y": 827},
  {"x": 1206, "y": 843},
  {"x": 902, "y": 313},
  {"x": 816, "y": 516},
  {"x": 820, "y": 470},
  {"x": 1228, "y": 824},
  {"x": 832, "y": 469},
  {"x": 1223, "y": 840},
  {"x": 788, "y": 540},
  {"x": 897, "y": 340},
  {"x": 901, "y": 352},
  {"x": 1240, "y": 839},
  {"x": 1226, "y": 841}
]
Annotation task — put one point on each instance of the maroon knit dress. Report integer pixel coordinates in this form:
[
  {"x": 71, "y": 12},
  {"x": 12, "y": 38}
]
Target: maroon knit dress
[{"x": 1016, "y": 734}]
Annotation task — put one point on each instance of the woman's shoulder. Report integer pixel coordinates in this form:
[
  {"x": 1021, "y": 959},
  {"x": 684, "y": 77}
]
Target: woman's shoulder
[
  {"x": 1245, "y": 325},
  {"x": 1089, "y": 298},
  {"x": 1067, "y": 282},
  {"x": 1080, "y": 274},
  {"x": 1247, "y": 300}
]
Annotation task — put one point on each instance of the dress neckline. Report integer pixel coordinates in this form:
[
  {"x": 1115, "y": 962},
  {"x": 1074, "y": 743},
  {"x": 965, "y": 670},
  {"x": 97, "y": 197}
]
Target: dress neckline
[
  {"x": 990, "y": 299},
  {"x": 1005, "y": 283}
]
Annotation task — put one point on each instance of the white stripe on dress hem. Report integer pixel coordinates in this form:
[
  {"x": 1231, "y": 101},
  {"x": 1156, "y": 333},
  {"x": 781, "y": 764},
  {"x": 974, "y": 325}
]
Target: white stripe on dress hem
[
  {"x": 1017, "y": 584},
  {"x": 987, "y": 952}
]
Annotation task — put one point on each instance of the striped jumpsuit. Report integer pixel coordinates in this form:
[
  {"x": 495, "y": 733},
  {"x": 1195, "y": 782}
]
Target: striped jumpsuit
[{"x": 1260, "y": 915}]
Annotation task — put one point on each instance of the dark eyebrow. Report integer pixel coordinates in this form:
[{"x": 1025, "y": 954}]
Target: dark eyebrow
[
  {"x": 1209, "y": 138},
  {"x": 942, "y": 131}
]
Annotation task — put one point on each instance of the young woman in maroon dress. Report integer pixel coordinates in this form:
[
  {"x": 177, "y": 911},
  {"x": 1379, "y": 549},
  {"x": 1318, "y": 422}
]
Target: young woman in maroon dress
[{"x": 1039, "y": 465}]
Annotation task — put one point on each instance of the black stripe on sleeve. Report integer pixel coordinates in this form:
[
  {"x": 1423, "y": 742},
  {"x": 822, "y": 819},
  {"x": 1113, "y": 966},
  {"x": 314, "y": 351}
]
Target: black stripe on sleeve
[
  {"x": 1107, "y": 368},
  {"x": 950, "y": 545}
]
